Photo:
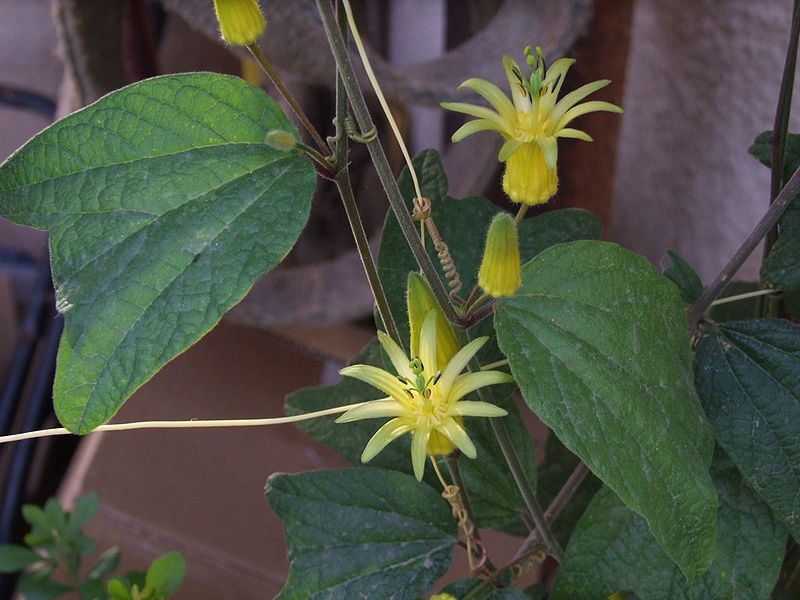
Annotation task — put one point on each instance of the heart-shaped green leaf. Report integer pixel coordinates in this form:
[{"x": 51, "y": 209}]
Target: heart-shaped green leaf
[
  {"x": 598, "y": 344},
  {"x": 613, "y": 550},
  {"x": 164, "y": 205},
  {"x": 748, "y": 377},
  {"x": 361, "y": 533}
]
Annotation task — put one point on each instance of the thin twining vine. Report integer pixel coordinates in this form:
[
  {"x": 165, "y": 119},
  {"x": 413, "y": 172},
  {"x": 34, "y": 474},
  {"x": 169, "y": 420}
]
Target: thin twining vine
[{"x": 184, "y": 424}]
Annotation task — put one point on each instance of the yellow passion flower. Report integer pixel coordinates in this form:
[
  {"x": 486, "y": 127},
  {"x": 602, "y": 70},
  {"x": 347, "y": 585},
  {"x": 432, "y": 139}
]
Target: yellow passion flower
[
  {"x": 530, "y": 122},
  {"x": 423, "y": 399}
]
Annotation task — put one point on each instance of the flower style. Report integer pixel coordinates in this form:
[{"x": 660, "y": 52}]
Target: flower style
[
  {"x": 531, "y": 123},
  {"x": 422, "y": 399}
]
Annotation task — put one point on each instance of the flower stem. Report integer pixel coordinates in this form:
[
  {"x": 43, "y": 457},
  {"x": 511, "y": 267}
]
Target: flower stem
[
  {"x": 364, "y": 121},
  {"x": 523, "y": 208},
  {"x": 263, "y": 61},
  {"x": 438, "y": 472},
  {"x": 480, "y": 314},
  {"x": 191, "y": 424},
  {"x": 770, "y": 218}
]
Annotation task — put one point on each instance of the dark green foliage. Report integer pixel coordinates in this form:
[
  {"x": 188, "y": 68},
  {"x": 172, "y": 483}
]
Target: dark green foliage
[
  {"x": 748, "y": 378},
  {"x": 361, "y": 533},
  {"x": 597, "y": 342},
  {"x": 612, "y": 549}
]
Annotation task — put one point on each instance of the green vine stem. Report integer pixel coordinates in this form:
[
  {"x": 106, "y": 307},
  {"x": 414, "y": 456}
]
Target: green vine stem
[
  {"x": 553, "y": 511},
  {"x": 770, "y": 218},
  {"x": 770, "y": 306},
  {"x": 342, "y": 180},
  {"x": 364, "y": 120},
  {"x": 781, "y": 124},
  {"x": 264, "y": 63},
  {"x": 518, "y": 473}
]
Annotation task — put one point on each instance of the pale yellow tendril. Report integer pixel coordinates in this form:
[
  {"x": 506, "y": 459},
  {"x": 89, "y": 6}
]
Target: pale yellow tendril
[
  {"x": 191, "y": 424},
  {"x": 382, "y": 99}
]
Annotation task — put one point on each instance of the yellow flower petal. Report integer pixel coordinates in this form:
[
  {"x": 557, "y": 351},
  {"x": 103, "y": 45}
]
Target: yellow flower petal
[
  {"x": 576, "y": 96},
  {"x": 419, "y": 446},
  {"x": 470, "y": 382},
  {"x": 456, "y": 434},
  {"x": 396, "y": 355},
  {"x": 586, "y": 107},
  {"x": 508, "y": 148},
  {"x": 475, "y": 126},
  {"x": 457, "y": 364},
  {"x": 373, "y": 410},
  {"x": 383, "y": 437},
  {"x": 494, "y": 96},
  {"x": 574, "y": 133},
  {"x": 480, "y": 112},
  {"x": 383, "y": 380},
  {"x": 469, "y": 408},
  {"x": 556, "y": 73},
  {"x": 520, "y": 94}
]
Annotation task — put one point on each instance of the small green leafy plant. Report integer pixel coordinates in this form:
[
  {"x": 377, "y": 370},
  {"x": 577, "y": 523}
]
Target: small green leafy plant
[
  {"x": 672, "y": 463},
  {"x": 55, "y": 550}
]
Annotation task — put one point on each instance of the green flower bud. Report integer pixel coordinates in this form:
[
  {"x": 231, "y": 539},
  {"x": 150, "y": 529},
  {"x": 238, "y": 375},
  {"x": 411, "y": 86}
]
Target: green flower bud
[
  {"x": 240, "y": 21},
  {"x": 420, "y": 302},
  {"x": 281, "y": 140},
  {"x": 500, "y": 272}
]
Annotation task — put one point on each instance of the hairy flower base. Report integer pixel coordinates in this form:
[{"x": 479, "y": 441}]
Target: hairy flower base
[
  {"x": 422, "y": 400},
  {"x": 527, "y": 178},
  {"x": 501, "y": 273},
  {"x": 240, "y": 21}
]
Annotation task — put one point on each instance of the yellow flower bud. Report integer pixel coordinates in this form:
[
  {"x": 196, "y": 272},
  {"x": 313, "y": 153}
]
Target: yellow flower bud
[
  {"x": 500, "y": 272},
  {"x": 528, "y": 178},
  {"x": 281, "y": 140},
  {"x": 420, "y": 302},
  {"x": 443, "y": 597},
  {"x": 240, "y": 21}
]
